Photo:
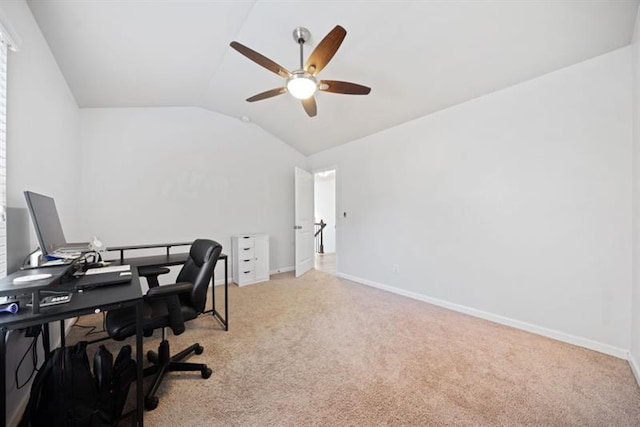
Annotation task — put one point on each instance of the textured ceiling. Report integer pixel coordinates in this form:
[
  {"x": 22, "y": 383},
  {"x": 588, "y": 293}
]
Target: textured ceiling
[{"x": 417, "y": 56}]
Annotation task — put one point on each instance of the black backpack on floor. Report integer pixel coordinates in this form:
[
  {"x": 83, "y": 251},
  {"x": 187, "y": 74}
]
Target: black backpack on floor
[{"x": 66, "y": 393}]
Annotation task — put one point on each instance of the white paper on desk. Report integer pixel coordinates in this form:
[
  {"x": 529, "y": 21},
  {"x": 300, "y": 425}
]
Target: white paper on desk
[{"x": 112, "y": 269}]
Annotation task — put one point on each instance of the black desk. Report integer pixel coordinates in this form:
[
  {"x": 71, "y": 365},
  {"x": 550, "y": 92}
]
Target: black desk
[
  {"x": 82, "y": 303},
  {"x": 169, "y": 259}
]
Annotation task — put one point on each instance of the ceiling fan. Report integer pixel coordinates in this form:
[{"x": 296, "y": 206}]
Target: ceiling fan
[{"x": 302, "y": 83}]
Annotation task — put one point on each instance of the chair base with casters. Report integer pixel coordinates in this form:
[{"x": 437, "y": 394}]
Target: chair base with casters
[{"x": 163, "y": 363}]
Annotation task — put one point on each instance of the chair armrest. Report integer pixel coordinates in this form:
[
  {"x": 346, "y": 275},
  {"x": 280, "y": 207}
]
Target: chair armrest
[
  {"x": 169, "y": 293},
  {"x": 152, "y": 271},
  {"x": 166, "y": 290},
  {"x": 151, "y": 274}
]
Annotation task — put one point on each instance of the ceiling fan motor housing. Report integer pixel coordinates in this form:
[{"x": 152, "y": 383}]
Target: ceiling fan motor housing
[{"x": 301, "y": 35}]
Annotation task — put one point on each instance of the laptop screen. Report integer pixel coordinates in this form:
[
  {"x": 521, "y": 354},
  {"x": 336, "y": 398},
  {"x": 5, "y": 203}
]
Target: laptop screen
[{"x": 46, "y": 222}]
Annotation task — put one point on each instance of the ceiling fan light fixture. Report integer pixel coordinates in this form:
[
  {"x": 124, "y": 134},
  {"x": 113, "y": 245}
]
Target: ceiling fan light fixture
[{"x": 301, "y": 84}]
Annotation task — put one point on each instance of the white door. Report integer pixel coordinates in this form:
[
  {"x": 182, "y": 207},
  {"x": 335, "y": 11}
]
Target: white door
[{"x": 303, "y": 221}]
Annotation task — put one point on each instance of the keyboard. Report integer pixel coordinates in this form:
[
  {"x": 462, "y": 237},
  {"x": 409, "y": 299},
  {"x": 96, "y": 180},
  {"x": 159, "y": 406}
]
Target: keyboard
[{"x": 105, "y": 270}]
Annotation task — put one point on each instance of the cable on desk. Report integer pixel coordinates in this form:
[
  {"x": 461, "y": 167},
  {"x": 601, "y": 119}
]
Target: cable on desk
[
  {"x": 95, "y": 257},
  {"x": 88, "y": 260},
  {"x": 91, "y": 257},
  {"x": 34, "y": 358}
]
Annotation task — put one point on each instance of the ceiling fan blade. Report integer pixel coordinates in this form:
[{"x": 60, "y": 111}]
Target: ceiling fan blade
[
  {"x": 267, "y": 94},
  {"x": 325, "y": 50},
  {"x": 260, "y": 59},
  {"x": 310, "y": 107},
  {"x": 336, "y": 86}
]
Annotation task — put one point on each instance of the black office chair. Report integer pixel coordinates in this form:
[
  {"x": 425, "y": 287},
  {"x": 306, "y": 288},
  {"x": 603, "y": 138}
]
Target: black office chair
[{"x": 170, "y": 306}]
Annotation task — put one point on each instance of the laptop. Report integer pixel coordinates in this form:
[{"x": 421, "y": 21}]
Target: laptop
[
  {"x": 46, "y": 222},
  {"x": 92, "y": 281}
]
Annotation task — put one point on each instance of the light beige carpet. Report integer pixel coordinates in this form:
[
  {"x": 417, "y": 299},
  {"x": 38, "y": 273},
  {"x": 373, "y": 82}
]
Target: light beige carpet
[{"x": 320, "y": 350}]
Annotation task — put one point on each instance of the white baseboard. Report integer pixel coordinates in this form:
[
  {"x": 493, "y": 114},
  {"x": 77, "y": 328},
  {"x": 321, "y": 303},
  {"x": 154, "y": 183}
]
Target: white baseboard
[
  {"x": 15, "y": 418},
  {"x": 282, "y": 270},
  {"x": 539, "y": 330},
  {"x": 635, "y": 367},
  {"x": 219, "y": 282}
]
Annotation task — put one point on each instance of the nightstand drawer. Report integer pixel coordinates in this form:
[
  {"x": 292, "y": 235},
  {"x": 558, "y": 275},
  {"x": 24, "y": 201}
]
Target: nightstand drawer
[
  {"x": 246, "y": 253},
  {"x": 246, "y": 276},
  {"x": 246, "y": 242},
  {"x": 245, "y": 264}
]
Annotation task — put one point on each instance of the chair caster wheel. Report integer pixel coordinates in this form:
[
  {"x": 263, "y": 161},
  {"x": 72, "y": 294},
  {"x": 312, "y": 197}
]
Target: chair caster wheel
[
  {"x": 151, "y": 403},
  {"x": 152, "y": 356},
  {"x": 206, "y": 373},
  {"x": 199, "y": 349}
]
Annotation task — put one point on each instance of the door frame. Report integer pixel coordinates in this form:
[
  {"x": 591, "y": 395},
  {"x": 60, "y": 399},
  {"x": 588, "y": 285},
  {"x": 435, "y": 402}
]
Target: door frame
[{"x": 337, "y": 198}]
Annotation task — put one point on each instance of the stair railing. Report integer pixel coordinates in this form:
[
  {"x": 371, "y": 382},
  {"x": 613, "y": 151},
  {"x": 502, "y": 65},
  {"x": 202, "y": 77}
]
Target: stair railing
[{"x": 319, "y": 241}]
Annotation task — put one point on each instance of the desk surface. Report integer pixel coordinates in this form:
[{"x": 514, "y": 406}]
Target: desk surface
[
  {"x": 155, "y": 260},
  {"x": 8, "y": 287},
  {"x": 81, "y": 303},
  {"x": 158, "y": 260},
  {"x": 148, "y": 246}
]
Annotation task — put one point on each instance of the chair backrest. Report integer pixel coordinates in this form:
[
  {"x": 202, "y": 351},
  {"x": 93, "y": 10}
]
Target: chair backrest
[{"x": 198, "y": 269}]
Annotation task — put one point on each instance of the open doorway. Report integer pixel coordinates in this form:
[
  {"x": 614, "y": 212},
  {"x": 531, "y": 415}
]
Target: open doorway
[{"x": 324, "y": 183}]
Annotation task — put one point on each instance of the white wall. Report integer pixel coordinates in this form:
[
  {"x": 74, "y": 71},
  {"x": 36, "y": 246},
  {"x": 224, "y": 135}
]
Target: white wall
[
  {"x": 42, "y": 155},
  {"x": 42, "y": 123},
  {"x": 634, "y": 358},
  {"x": 325, "y": 207},
  {"x": 153, "y": 175},
  {"x": 515, "y": 206},
  {"x": 517, "y": 203}
]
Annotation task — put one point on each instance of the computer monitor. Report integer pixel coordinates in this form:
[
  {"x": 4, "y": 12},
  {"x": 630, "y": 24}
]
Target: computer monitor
[{"x": 46, "y": 222}]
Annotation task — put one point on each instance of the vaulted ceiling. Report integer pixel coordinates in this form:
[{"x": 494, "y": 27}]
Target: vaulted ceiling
[{"x": 417, "y": 56}]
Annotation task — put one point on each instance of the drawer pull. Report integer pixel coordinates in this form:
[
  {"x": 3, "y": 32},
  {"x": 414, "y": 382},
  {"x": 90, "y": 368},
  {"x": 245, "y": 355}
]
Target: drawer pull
[
  {"x": 247, "y": 272},
  {"x": 246, "y": 237},
  {"x": 246, "y": 249},
  {"x": 246, "y": 260}
]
